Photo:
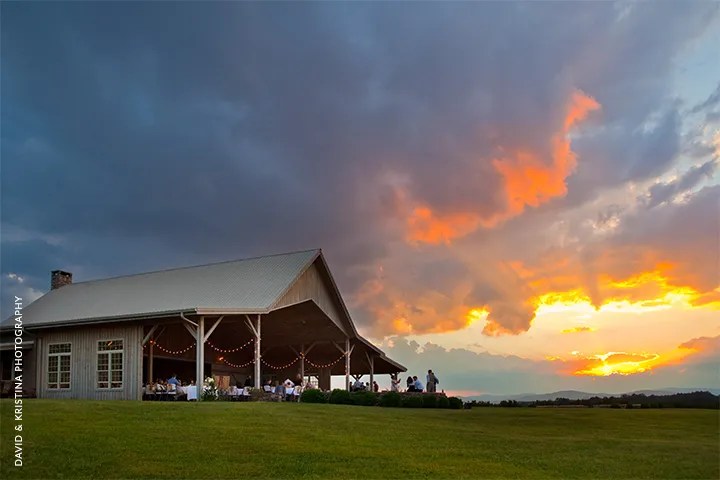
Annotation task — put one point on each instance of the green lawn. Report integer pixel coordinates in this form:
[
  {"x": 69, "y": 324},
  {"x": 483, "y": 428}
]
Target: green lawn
[{"x": 83, "y": 439}]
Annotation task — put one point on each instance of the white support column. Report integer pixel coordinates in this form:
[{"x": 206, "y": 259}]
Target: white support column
[
  {"x": 302, "y": 362},
  {"x": 151, "y": 356},
  {"x": 258, "y": 373},
  {"x": 302, "y": 354},
  {"x": 347, "y": 351},
  {"x": 347, "y": 364},
  {"x": 200, "y": 356},
  {"x": 371, "y": 364}
]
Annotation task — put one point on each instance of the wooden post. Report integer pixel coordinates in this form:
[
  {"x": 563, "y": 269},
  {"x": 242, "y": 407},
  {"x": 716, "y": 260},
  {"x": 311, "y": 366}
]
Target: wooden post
[
  {"x": 324, "y": 379},
  {"x": 200, "y": 357}
]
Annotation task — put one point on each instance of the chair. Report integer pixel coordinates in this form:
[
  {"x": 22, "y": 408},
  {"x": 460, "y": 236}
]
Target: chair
[
  {"x": 171, "y": 393},
  {"x": 148, "y": 393}
]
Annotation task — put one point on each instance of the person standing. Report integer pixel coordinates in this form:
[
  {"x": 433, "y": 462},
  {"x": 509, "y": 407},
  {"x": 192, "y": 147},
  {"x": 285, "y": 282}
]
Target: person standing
[
  {"x": 394, "y": 382},
  {"x": 432, "y": 382}
]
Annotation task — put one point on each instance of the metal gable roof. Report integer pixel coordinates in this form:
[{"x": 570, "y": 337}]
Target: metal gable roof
[{"x": 250, "y": 285}]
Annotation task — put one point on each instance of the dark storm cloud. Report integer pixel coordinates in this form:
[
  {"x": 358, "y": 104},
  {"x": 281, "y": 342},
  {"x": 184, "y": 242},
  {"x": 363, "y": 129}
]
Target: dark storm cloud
[{"x": 147, "y": 135}]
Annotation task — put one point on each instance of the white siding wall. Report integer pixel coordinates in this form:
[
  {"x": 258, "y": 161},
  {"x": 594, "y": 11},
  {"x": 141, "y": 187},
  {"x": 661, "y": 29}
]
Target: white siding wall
[{"x": 83, "y": 370}]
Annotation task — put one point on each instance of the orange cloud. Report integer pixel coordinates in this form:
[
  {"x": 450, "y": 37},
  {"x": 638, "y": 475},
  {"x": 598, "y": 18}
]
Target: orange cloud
[
  {"x": 579, "y": 108},
  {"x": 703, "y": 345},
  {"x": 529, "y": 180},
  {"x": 424, "y": 226}
]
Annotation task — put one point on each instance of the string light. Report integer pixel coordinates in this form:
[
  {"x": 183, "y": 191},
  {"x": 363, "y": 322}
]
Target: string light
[
  {"x": 238, "y": 366},
  {"x": 173, "y": 352},
  {"x": 280, "y": 367},
  {"x": 230, "y": 350},
  {"x": 325, "y": 365},
  {"x": 237, "y": 349}
]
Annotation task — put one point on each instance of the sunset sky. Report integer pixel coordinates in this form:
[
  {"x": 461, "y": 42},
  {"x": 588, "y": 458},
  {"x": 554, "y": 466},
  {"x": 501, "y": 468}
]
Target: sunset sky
[{"x": 524, "y": 197}]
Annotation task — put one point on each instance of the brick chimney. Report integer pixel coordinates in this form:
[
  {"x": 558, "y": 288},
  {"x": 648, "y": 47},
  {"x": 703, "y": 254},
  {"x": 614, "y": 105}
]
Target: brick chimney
[{"x": 59, "y": 278}]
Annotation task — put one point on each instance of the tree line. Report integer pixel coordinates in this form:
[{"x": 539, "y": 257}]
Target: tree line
[{"x": 628, "y": 400}]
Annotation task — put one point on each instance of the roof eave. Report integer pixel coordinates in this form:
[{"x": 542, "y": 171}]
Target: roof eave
[{"x": 98, "y": 320}]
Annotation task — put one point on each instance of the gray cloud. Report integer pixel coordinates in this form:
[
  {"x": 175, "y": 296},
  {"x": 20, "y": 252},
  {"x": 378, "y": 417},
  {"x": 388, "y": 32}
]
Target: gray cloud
[{"x": 662, "y": 192}]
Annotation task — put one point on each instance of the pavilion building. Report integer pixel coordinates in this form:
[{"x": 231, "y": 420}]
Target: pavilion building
[{"x": 273, "y": 317}]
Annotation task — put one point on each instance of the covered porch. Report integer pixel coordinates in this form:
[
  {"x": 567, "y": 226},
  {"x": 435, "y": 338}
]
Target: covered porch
[{"x": 299, "y": 342}]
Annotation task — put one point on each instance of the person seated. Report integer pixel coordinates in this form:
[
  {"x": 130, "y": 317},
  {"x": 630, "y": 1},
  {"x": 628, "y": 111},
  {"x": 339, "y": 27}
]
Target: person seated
[
  {"x": 279, "y": 393},
  {"x": 289, "y": 388},
  {"x": 410, "y": 384},
  {"x": 268, "y": 386},
  {"x": 298, "y": 391},
  {"x": 173, "y": 380},
  {"x": 148, "y": 391},
  {"x": 418, "y": 385}
]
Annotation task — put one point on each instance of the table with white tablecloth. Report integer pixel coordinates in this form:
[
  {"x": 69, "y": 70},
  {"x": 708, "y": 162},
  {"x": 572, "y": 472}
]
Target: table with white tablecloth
[{"x": 190, "y": 391}]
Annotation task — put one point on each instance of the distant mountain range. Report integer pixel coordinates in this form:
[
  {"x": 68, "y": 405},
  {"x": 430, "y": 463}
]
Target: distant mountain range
[{"x": 577, "y": 395}]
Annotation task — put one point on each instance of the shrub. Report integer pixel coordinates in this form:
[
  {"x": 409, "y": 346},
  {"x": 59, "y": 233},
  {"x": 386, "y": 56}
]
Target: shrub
[
  {"x": 455, "y": 403},
  {"x": 412, "y": 401},
  {"x": 341, "y": 397},
  {"x": 443, "y": 402},
  {"x": 367, "y": 399},
  {"x": 390, "y": 399},
  {"x": 313, "y": 396},
  {"x": 429, "y": 401},
  {"x": 257, "y": 395}
]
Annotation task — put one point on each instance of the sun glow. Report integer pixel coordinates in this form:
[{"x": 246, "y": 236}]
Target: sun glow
[
  {"x": 619, "y": 363},
  {"x": 645, "y": 292},
  {"x": 476, "y": 314}
]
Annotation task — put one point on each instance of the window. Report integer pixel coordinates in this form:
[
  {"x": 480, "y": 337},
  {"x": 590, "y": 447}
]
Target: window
[
  {"x": 59, "y": 365},
  {"x": 110, "y": 364}
]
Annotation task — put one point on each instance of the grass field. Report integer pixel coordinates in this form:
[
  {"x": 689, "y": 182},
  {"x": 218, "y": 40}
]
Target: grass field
[{"x": 84, "y": 439}]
